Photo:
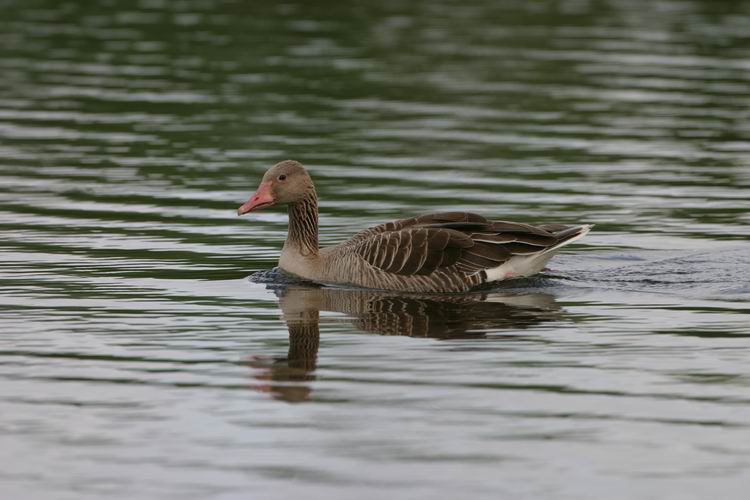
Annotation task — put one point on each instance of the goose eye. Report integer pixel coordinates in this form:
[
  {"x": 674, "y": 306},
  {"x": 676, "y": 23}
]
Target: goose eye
[{"x": 282, "y": 177}]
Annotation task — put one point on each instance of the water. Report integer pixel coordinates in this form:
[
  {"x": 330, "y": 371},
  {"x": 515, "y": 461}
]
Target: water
[{"x": 138, "y": 361}]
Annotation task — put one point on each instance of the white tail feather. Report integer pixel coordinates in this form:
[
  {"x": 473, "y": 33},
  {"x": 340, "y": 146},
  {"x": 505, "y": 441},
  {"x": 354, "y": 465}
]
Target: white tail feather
[
  {"x": 520, "y": 266},
  {"x": 583, "y": 232}
]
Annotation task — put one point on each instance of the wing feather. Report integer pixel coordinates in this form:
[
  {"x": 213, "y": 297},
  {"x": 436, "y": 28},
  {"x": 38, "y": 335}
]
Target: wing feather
[
  {"x": 415, "y": 250},
  {"x": 460, "y": 241}
]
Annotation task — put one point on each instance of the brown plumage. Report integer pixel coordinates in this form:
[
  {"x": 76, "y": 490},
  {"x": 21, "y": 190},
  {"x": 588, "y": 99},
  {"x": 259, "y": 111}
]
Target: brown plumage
[{"x": 442, "y": 252}]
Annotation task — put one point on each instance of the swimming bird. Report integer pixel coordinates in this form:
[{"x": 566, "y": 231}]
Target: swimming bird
[{"x": 447, "y": 252}]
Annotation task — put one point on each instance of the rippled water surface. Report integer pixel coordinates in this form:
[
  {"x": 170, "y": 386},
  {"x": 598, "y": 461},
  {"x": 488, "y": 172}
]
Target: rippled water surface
[{"x": 138, "y": 361}]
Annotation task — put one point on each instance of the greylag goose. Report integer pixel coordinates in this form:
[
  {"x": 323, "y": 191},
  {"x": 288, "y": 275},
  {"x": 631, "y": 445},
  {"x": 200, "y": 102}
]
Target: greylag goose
[{"x": 436, "y": 253}]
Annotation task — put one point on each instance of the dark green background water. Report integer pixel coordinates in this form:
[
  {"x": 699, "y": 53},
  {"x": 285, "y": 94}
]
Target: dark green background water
[{"x": 137, "y": 361}]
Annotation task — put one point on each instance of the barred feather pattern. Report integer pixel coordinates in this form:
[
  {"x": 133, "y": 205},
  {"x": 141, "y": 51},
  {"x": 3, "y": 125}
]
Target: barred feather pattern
[{"x": 303, "y": 224}]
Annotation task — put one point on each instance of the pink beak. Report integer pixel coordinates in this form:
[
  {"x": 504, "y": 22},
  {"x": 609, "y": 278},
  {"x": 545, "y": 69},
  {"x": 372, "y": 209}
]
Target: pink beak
[{"x": 261, "y": 199}]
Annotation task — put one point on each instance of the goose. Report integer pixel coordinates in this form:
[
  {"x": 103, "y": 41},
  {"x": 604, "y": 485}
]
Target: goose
[{"x": 447, "y": 252}]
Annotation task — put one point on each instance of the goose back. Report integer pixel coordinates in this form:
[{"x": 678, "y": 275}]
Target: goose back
[{"x": 442, "y": 252}]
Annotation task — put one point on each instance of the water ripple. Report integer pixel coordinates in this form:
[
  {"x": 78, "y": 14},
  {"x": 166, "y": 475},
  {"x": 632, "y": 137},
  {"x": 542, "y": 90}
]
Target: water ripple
[{"x": 132, "y": 340}]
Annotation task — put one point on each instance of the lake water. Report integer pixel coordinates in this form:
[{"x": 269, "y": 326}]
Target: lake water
[{"x": 137, "y": 361}]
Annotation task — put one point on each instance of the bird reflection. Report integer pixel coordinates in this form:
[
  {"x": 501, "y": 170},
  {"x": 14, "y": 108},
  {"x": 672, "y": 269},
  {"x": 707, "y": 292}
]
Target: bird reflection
[{"x": 471, "y": 316}]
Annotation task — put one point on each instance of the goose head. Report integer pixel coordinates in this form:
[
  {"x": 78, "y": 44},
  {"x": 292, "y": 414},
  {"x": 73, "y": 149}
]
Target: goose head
[{"x": 286, "y": 183}]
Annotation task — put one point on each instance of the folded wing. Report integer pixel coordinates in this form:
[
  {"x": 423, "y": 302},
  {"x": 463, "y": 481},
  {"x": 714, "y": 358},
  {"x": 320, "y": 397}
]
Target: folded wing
[{"x": 459, "y": 241}]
